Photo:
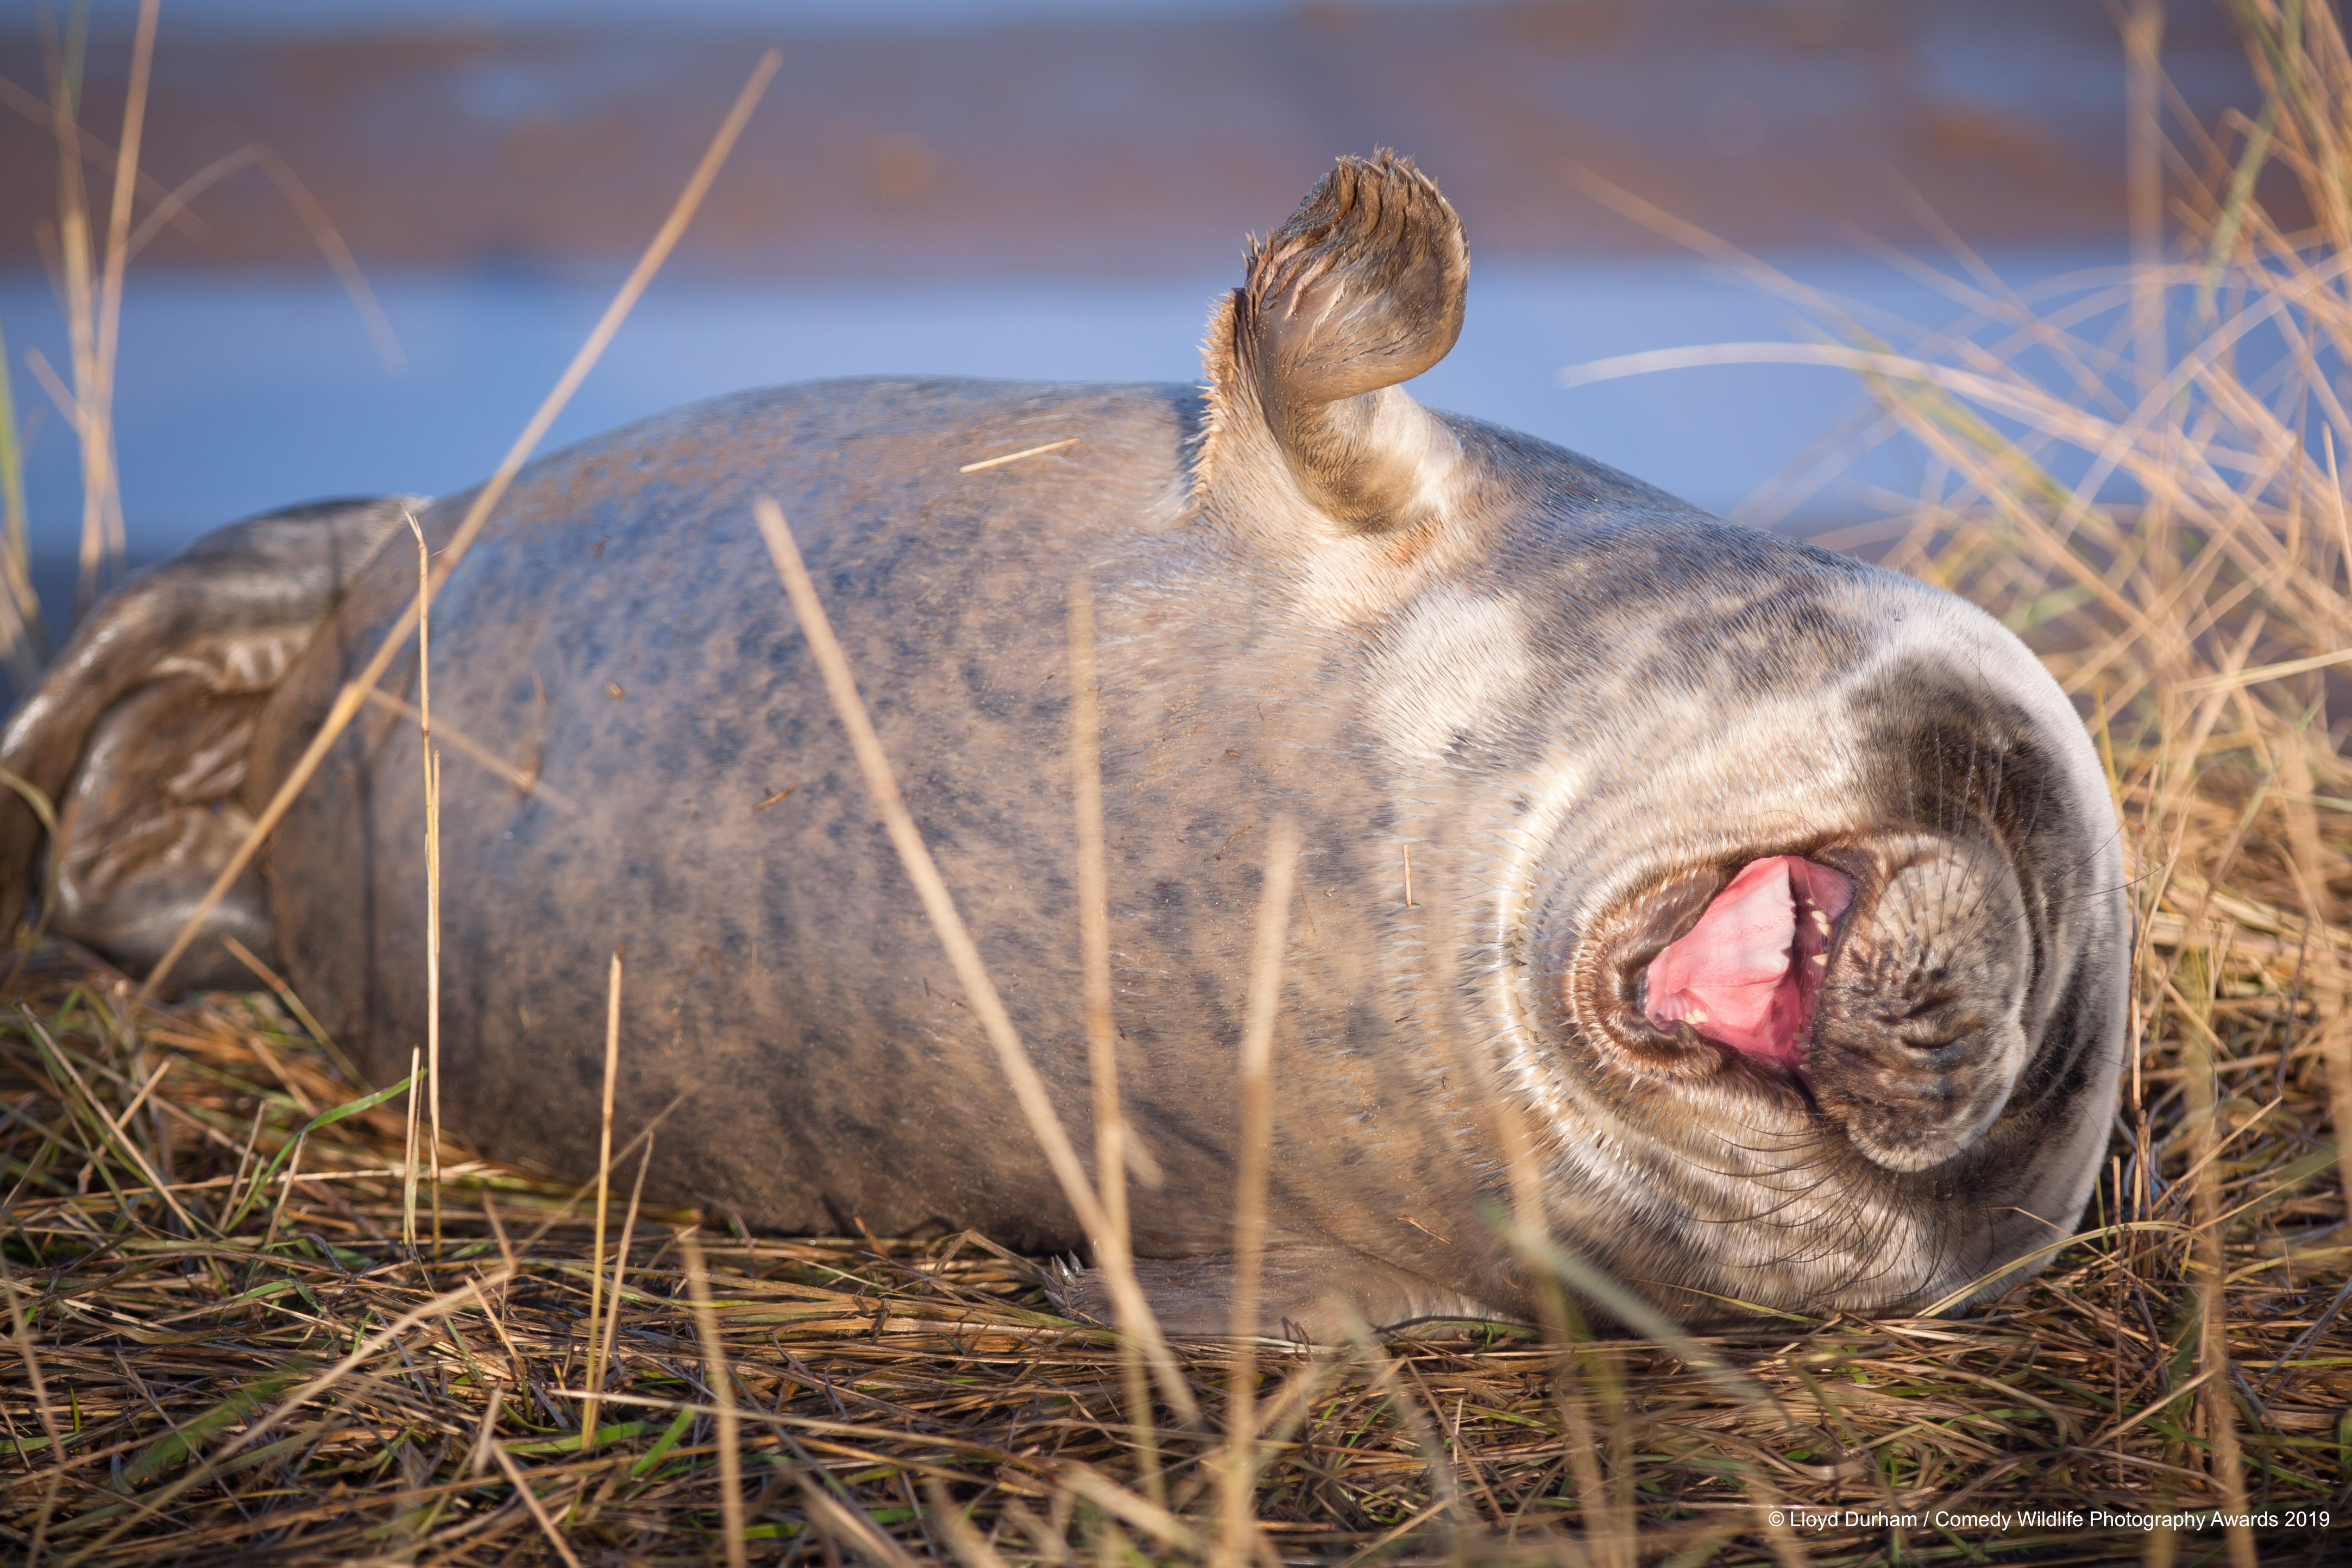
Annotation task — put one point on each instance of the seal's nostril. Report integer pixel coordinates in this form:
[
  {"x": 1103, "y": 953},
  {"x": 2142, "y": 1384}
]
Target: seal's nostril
[
  {"x": 1924, "y": 1035},
  {"x": 1908, "y": 1015}
]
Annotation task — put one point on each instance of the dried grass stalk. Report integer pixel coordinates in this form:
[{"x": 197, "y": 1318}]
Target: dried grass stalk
[
  {"x": 1102, "y": 1032},
  {"x": 722, "y": 1391},
  {"x": 1236, "y": 1517},
  {"x": 354, "y": 692},
  {"x": 1012, "y": 1057}
]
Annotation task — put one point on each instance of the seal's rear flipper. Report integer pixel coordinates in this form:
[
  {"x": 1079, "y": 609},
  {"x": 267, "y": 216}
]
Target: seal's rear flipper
[
  {"x": 1361, "y": 288},
  {"x": 139, "y": 733},
  {"x": 1305, "y": 1293}
]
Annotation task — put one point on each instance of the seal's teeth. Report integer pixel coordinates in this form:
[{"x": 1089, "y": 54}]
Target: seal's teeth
[
  {"x": 1695, "y": 1016},
  {"x": 1820, "y": 957}
]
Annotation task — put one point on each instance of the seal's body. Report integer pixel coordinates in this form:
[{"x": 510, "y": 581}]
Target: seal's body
[{"x": 1764, "y": 906}]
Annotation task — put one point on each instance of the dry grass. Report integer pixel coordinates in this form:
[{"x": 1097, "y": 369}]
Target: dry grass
[
  {"x": 220, "y": 1346},
  {"x": 168, "y": 1351}
]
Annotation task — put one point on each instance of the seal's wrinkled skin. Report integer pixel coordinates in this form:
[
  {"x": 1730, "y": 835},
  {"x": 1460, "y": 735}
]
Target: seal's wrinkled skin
[{"x": 1878, "y": 1064}]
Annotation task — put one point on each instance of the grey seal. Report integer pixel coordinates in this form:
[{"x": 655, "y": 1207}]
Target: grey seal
[{"x": 1777, "y": 898}]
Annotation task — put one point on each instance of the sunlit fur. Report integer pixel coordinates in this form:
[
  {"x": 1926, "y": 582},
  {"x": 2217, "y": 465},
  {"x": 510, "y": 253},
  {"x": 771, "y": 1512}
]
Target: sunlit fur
[{"x": 1529, "y": 714}]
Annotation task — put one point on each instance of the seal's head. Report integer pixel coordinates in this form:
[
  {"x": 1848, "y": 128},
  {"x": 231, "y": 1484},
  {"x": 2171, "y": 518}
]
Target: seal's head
[
  {"x": 1850, "y": 994},
  {"x": 1790, "y": 912}
]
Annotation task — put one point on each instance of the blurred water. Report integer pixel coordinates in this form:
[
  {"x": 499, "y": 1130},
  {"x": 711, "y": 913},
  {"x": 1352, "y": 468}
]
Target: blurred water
[
  {"x": 240, "y": 395},
  {"x": 300, "y": 16}
]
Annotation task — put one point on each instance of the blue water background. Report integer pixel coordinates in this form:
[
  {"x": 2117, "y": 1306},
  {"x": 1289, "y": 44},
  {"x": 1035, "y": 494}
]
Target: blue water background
[{"x": 241, "y": 394}]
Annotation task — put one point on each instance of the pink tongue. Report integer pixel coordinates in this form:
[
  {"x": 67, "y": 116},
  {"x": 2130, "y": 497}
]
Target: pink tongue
[{"x": 1744, "y": 976}]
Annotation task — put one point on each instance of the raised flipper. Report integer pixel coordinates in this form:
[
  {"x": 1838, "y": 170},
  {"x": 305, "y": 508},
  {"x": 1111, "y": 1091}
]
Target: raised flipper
[
  {"x": 1305, "y": 1293},
  {"x": 139, "y": 733},
  {"x": 1362, "y": 287}
]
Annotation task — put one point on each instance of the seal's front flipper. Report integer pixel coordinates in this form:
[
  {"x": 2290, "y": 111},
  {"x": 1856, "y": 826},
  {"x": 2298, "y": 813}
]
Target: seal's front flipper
[
  {"x": 139, "y": 733},
  {"x": 1363, "y": 288},
  {"x": 1305, "y": 1293}
]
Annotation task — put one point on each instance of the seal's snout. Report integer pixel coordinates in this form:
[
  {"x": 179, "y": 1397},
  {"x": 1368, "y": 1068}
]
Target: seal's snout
[
  {"x": 1919, "y": 1032},
  {"x": 1891, "y": 987},
  {"x": 1749, "y": 974}
]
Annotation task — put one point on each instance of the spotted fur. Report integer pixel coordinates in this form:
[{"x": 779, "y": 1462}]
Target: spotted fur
[{"x": 1576, "y": 704}]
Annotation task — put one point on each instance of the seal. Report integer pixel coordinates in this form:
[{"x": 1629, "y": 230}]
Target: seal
[{"x": 1754, "y": 914}]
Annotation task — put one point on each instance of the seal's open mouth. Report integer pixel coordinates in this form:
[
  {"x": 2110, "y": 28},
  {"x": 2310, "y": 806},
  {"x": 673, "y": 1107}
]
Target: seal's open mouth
[{"x": 1748, "y": 974}]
